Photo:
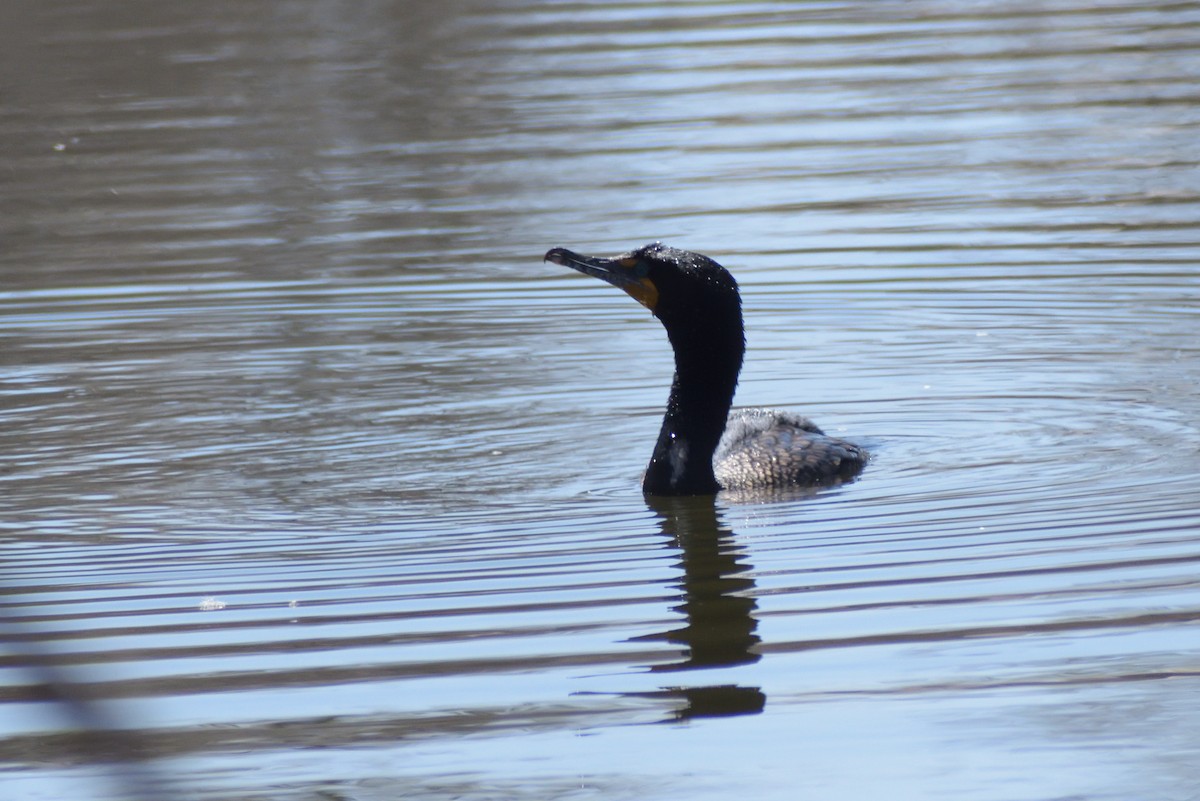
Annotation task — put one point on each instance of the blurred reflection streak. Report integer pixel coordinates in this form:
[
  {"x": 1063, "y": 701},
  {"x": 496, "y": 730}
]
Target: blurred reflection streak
[
  {"x": 720, "y": 625},
  {"x": 98, "y": 738}
]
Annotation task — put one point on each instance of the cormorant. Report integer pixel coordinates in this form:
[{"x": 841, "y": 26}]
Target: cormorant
[{"x": 702, "y": 448}]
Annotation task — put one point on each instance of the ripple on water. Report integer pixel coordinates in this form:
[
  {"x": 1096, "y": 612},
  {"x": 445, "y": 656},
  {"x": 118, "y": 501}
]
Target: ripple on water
[{"x": 317, "y": 482}]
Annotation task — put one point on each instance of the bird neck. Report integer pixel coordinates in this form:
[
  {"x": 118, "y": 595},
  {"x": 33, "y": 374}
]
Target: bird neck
[{"x": 701, "y": 394}]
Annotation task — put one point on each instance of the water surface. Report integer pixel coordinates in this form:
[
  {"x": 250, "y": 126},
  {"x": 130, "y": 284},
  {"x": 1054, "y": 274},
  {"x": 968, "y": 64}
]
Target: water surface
[{"x": 317, "y": 483}]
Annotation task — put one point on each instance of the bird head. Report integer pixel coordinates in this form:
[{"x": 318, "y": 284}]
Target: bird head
[{"x": 687, "y": 291}]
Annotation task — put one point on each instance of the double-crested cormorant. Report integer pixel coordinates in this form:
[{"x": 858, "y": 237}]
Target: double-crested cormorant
[{"x": 702, "y": 448}]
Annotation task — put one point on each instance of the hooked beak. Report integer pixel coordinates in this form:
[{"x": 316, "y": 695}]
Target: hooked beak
[{"x": 623, "y": 272}]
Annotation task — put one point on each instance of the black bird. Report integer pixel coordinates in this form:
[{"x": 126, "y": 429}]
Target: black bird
[{"x": 702, "y": 448}]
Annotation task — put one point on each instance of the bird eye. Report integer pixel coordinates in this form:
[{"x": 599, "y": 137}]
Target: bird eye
[{"x": 635, "y": 266}]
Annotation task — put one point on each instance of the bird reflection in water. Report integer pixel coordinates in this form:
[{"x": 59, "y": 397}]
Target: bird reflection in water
[{"x": 719, "y": 630}]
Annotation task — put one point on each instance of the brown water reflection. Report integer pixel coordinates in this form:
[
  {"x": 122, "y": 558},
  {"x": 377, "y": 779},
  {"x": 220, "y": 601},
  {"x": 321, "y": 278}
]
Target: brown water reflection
[{"x": 315, "y": 483}]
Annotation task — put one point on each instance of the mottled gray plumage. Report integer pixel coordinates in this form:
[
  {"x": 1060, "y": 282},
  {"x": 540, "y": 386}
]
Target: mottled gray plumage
[{"x": 768, "y": 448}]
